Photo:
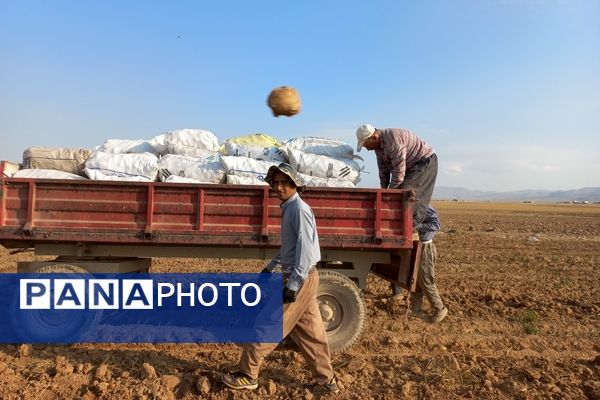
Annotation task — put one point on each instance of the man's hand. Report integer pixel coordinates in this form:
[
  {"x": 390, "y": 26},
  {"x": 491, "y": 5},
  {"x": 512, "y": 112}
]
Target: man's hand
[
  {"x": 289, "y": 295},
  {"x": 264, "y": 277}
]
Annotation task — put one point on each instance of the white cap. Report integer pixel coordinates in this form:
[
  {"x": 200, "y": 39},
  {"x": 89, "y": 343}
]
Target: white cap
[{"x": 363, "y": 133}]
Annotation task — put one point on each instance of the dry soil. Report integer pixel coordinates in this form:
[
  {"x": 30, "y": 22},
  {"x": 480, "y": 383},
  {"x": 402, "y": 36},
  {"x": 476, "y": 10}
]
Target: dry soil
[{"x": 521, "y": 283}]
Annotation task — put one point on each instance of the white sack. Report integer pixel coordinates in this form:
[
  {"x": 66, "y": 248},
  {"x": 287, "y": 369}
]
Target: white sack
[
  {"x": 159, "y": 143},
  {"x": 190, "y": 151},
  {"x": 190, "y": 142},
  {"x": 45, "y": 174},
  {"x": 325, "y": 182},
  {"x": 181, "y": 179},
  {"x": 209, "y": 170},
  {"x": 274, "y": 154},
  {"x": 324, "y": 167},
  {"x": 244, "y": 180},
  {"x": 9, "y": 168},
  {"x": 243, "y": 166},
  {"x": 123, "y": 146},
  {"x": 60, "y": 159},
  {"x": 324, "y": 146},
  {"x": 103, "y": 175},
  {"x": 122, "y": 165}
]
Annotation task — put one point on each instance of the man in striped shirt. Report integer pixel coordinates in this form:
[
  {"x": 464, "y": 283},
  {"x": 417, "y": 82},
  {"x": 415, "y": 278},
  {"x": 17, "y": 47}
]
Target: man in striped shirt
[{"x": 405, "y": 161}]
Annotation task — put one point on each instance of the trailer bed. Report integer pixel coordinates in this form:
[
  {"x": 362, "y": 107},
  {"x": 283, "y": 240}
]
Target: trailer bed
[{"x": 37, "y": 211}]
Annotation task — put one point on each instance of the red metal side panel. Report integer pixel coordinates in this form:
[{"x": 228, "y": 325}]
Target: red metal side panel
[
  {"x": 223, "y": 210},
  {"x": 157, "y": 213},
  {"x": 75, "y": 206}
]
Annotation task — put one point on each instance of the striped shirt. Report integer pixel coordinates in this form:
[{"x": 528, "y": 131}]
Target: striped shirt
[
  {"x": 299, "y": 242},
  {"x": 400, "y": 150}
]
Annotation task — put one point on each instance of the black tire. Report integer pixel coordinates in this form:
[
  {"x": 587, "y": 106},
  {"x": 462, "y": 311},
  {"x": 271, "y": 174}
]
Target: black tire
[
  {"x": 342, "y": 309},
  {"x": 56, "y": 326}
]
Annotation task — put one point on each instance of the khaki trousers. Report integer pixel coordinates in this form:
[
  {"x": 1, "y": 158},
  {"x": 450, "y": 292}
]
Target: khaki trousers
[
  {"x": 426, "y": 279},
  {"x": 302, "y": 319}
]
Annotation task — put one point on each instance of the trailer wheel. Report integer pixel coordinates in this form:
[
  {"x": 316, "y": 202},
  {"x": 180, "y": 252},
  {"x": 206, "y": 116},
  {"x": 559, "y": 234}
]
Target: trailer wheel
[
  {"x": 342, "y": 309},
  {"x": 61, "y": 269},
  {"x": 55, "y": 326}
]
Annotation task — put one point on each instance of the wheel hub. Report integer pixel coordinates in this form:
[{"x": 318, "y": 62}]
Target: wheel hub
[
  {"x": 331, "y": 312},
  {"x": 326, "y": 312}
]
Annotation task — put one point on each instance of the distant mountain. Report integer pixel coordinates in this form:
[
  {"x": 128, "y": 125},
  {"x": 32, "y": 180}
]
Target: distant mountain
[{"x": 591, "y": 194}]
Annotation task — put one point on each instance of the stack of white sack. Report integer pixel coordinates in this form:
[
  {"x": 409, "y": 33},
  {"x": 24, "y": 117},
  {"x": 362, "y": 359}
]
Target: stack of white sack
[
  {"x": 122, "y": 167},
  {"x": 245, "y": 167},
  {"x": 60, "y": 159},
  {"x": 176, "y": 168},
  {"x": 325, "y": 182},
  {"x": 42, "y": 173},
  {"x": 257, "y": 146},
  {"x": 186, "y": 142},
  {"x": 324, "y": 166}
]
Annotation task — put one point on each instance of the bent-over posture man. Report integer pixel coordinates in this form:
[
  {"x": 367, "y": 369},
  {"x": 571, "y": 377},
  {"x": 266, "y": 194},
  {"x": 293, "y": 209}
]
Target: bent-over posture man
[
  {"x": 405, "y": 161},
  {"x": 301, "y": 316}
]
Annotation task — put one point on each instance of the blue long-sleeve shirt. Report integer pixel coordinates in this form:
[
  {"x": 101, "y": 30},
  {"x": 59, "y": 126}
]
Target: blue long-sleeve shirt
[
  {"x": 299, "y": 242},
  {"x": 430, "y": 225}
]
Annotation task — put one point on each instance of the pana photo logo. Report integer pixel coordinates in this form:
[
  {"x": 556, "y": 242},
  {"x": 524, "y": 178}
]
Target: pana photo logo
[
  {"x": 45, "y": 294},
  {"x": 141, "y": 308}
]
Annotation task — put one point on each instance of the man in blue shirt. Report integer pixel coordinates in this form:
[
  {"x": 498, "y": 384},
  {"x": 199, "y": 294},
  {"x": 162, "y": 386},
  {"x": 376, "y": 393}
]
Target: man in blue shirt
[
  {"x": 426, "y": 277},
  {"x": 297, "y": 258}
]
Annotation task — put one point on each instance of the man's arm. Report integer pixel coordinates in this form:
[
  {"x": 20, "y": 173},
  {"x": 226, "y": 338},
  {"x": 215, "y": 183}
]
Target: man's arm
[
  {"x": 273, "y": 263},
  {"x": 391, "y": 159},
  {"x": 384, "y": 172},
  {"x": 305, "y": 228},
  {"x": 398, "y": 159}
]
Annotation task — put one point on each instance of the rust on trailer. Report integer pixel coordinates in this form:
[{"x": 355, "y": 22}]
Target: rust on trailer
[
  {"x": 149, "y": 212},
  {"x": 29, "y": 224},
  {"x": 402, "y": 268},
  {"x": 200, "y": 213},
  {"x": 264, "y": 229},
  {"x": 378, "y": 235}
]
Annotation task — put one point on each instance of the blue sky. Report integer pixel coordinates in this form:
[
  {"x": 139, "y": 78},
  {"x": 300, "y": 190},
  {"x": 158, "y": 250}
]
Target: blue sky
[{"x": 507, "y": 92}]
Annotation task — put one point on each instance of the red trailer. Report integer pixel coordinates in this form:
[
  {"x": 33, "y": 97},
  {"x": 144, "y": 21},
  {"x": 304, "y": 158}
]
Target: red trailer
[{"x": 100, "y": 226}]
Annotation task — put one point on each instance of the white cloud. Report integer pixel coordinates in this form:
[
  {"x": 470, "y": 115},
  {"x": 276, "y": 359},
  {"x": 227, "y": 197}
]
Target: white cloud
[{"x": 453, "y": 170}]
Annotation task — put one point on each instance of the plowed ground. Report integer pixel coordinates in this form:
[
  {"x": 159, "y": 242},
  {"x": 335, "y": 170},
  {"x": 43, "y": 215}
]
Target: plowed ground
[{"x": 524, "y": 322}]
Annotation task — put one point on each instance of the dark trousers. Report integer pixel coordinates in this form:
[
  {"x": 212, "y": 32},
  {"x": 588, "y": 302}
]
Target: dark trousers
[{"x": 421, "y": 178}]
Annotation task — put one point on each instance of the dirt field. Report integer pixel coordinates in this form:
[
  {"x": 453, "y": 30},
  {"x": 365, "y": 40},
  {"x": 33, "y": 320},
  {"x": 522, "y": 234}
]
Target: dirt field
[{"x": 521, "y": 282}]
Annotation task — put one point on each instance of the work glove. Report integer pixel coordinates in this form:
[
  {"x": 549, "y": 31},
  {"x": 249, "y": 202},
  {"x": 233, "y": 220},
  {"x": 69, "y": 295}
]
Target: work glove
[{"x": 289, "y": 295}]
